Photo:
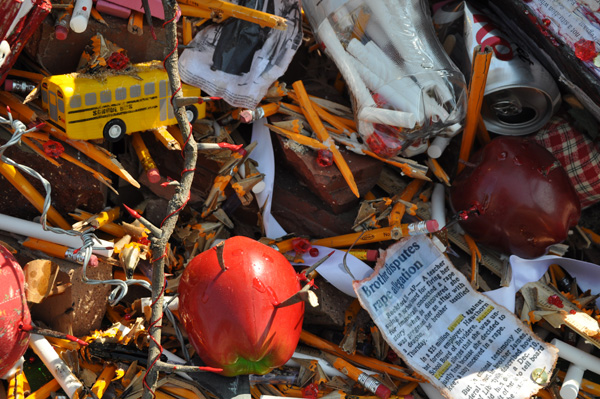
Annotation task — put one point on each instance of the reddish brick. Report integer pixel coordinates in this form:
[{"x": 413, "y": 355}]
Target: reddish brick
[{"x": 328, "y": 183}]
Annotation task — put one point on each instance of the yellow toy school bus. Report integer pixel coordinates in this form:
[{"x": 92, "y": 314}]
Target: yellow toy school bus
[{"x": 89, "y": 109}]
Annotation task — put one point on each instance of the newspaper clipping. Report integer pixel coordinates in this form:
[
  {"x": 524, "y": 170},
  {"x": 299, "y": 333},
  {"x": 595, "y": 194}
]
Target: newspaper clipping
[
  {"x": 463, "y": 342},
  {"x": 239, "y": 60}
]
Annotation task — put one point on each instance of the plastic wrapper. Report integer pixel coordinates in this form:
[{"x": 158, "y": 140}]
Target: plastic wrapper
[
  {"x": 239, "y": 60},
  {"x": 403, "y": 85}
]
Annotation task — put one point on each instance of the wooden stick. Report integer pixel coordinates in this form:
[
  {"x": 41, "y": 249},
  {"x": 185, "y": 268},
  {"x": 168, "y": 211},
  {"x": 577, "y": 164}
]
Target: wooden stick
[{"x": 176, "y": 204}]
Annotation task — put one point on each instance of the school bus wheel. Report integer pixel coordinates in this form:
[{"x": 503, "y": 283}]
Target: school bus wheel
[
  {"x": 114, "y": 130},
  {"x": 191, "y": 112}
]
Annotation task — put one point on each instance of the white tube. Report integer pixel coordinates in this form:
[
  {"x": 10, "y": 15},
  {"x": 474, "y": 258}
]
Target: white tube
[
  {"x": 377, "y": 76},
  {"x": 408, "y": 119},
  {"x": 361, "y": 53},
  {"x": 572, "y": 382},
  {"x": 437, "y": 146},
  {"x": 577, "y": 356},
  {"x": 401, "y": 30},
  {"x": 81, "y": 15},
  {"x": 339, "y": 55},
  {"x": 387, "y": 116},
  {"x": 35, "y": 230},
  {"x": 438, "y": 208},
  {"x": 59, "y": 369},
  {"x": 411, "y": 90}
]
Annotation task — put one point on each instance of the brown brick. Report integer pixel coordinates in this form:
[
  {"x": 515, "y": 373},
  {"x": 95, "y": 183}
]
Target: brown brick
[
  {"x": 328, "y": 183},
  {"x": 300, "y": 211}
]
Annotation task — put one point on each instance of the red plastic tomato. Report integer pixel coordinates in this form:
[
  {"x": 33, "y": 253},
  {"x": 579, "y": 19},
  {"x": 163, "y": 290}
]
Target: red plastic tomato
[
  {"x": 13, "y": 312},
  {"x": 231, "y": 316},
  {"x": 526, "y": 199}
]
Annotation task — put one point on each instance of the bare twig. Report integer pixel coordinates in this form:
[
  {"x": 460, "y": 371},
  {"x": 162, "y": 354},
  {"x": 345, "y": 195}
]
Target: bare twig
[{"x": 177, "y": 202}]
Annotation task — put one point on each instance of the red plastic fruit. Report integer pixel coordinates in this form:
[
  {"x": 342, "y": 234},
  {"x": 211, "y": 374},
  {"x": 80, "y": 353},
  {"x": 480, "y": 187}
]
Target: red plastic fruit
[
  {"x": 525, "y": 197},
  {"x": 231, "y": 315},
  {"x": 13, "y": 312}
]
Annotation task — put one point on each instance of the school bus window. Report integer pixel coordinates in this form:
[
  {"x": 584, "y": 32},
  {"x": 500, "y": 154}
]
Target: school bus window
[
  {"x": 75, "y": 101},
  {"x": 105, "y": 96},
  {"x": 120, "y": 93},
  {"x": 162, "y": 88},
  {"x": 61, "y": 105},
  {"x": 90, "y": 98},
  {"x": 135, "y": 91},
  {"x": 45, "y": 96},
  {"x": 149, "y": 88}
]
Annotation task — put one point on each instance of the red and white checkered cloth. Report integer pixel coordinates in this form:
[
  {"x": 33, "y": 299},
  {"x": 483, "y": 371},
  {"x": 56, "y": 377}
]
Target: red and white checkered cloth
[{"x": 579, "y": 155}]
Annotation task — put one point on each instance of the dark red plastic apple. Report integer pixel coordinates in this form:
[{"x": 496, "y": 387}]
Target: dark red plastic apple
[
  {"x": 232, "y": 317},
  {"x": 13, "y": 312},
  {"x": 526, "y": 199}
]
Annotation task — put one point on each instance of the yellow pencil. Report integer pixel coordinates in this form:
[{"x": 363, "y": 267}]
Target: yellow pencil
[
  {"x": 225, "y": 9},
  {"x": 145, "y": 158},
  {"x": 135, "y": 24},
  {"x": 186, "y": 27},
  {"x": 97, "y": 16},
  {"x": 58, "y": 251},
  {"x": 369, "y": 382},
  {"x": 298, "y": 138},
  {"x": 98, "y": 154},
  {"x": 45, "y": 390},
  {"x": 397, "y": 213},
  {"x": 16, "y": 386},
  {"x": 481, "y": 65},
  {"x": 333, "y": 120},
  {"x": 404, "y": 167},
  {"x": 438, "y": 171},
  {"x": 36, "y": 77},
  {"x": 365, "y": 361},
  {"x": 108, "y": 227},
  {"x": 101, "y": 384},
  {"x": 166, "y": 138},
  {"x": 321, "y": 133},
  {"x": 377, "y": 235},
  {"x": 249, "y": 115},
  {"x": 32, "y": 195}
]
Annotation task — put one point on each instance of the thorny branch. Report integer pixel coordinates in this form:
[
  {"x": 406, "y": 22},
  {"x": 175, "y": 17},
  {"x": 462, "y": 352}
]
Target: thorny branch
[{"x": 159, "y": 244}]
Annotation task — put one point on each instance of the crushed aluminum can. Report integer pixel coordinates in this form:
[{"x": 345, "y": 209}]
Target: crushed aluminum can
[{"x": 520, "y": 94}]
